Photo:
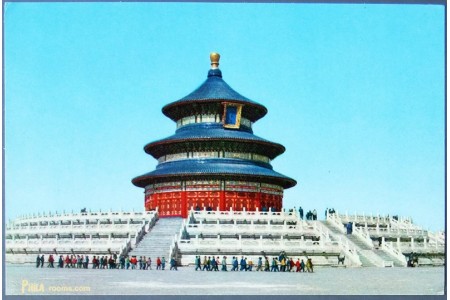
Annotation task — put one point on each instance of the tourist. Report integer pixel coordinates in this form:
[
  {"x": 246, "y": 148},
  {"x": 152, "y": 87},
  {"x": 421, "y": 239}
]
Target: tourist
[
  {"x": 105, "y": 262},
  {"x": 274, "y": 265},
  {"x": 158, "y": 263},
  {"x": 67, "y": 261},
  {"x": 291, "y": 265},
  {"x": 94, "y": 262},
  {"x": 140, "y": 263},
  {"x": 205, "y": 263},
  {"x": 127, "y": 262},
  {"x": 61, "y": 262},
  {"x": 122, "y": 262},
  {"x": 133, "y": 262},
  {"x": 79, "y": 261},
  {"x": 300, "y": 212},
  {"x": 163, "y": 262},
  {"x": 42, "y": 261},
  {"x": 235, "y": 264},
  {"x": 224, "y": 264},
  {"x": 217, "y": 264},
  {"x": 297, "y": 265},
  {"x": 38, "y": 261},
  {"x": 250, "y": 264},
  {"x": 111, "y": 263},
  {"x": 309, "y": 265},
  {"x": 259, "y": 267},
  {"x": 213, "y": 264},
  {"x": 50, "y": 261},
  {"x": 197, "y": 263},
  {"x": 266, "y": 265},
  {"x": 282, "y": 264},
  {"x": 302, "y": 266},
  {"x": 86, "y": 261},
  {"x": 243, "y": 264},
  {"x": 149, "y": 263},
  {"x": 173, "y": 264},
  {"x": 314, "y": 213},
  {"x": 208, "y": 264}
]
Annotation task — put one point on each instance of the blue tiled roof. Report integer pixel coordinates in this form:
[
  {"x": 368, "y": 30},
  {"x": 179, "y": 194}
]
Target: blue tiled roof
[
  {"x": 215, "y": 88},
  {"x": 214, "y": 166},
  {"x": 202, "y": 131}
]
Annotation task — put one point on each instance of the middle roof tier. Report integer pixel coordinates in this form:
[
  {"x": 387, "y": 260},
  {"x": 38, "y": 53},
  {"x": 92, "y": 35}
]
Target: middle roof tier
[{"x": 212, "y": 137}]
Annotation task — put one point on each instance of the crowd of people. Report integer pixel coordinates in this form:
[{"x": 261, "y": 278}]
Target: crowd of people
[
  {"x": 282, "y": 263},
  {"x": 105, "y": 262}
]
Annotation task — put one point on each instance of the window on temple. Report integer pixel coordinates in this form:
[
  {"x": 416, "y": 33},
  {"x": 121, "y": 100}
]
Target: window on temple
[{"x": 232, "y": 115}]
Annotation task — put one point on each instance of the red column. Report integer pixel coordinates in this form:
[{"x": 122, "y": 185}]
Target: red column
[
  {"x": 155, "y": 201},
  {"x": 184, "y": 208},
  {"x": 258, "y": 201},
  {"x": 222, "y": 201}
]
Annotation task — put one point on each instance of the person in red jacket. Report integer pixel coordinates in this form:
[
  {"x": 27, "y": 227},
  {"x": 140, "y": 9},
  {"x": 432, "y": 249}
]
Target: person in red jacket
[
  {"x": 297, "y": 265},
  {"x": 67, "y": 261},
  {"x": 133, "y": 262},
  {"x": 50, "y": 261},
  {"x": 158, "y": 263}
]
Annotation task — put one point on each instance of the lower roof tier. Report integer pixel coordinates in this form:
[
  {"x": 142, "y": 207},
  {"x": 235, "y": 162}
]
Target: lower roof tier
[
  {"x": 190, "y": 137},
  {"x": 214, "y": 168}
]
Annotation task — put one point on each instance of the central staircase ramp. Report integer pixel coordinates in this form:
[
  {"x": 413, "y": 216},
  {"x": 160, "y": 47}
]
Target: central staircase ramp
[
  {"x": 157, "y": 242},
  {"x": 366, "y": 254}
]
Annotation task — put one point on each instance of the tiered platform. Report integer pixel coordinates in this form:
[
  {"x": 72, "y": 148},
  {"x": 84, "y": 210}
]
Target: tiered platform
[
  {"x": 92, "y": 233},
  {"x": 374, "y": 240},
  {"x": 255, "y": 234},
  {"x": 397, "y": 236}
]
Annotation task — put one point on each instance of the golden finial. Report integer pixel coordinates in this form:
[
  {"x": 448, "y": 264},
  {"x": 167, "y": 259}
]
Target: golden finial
[{"x": 215, "y": 57}]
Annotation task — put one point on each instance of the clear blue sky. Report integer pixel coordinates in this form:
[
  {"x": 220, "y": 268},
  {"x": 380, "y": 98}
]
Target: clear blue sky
[{"x": 355, "y": 93}]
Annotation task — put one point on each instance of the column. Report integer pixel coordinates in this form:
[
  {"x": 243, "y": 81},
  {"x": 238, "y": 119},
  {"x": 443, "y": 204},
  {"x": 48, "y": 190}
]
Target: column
[
  {"x": 184, "y": 209},
  {"x": 222, "y": 204}
]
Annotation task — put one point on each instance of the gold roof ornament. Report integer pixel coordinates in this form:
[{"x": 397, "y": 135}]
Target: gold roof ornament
[{"x": 215, "y": 57}]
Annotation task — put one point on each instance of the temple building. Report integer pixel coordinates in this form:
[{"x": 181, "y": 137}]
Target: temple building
[
  {"x": 214, "y": 193},
  {"x": 213, "y": 161}
]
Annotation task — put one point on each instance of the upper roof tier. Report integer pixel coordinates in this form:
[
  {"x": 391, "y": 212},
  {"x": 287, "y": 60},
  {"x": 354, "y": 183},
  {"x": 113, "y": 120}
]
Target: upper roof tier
[{"x": 213, "y": 90}]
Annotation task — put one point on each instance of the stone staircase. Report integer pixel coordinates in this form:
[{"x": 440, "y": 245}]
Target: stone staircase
[
  {"x": 366, "y": 255},
  {"x": 388, "y": 257},
  {"x": 158, "y": 240}
]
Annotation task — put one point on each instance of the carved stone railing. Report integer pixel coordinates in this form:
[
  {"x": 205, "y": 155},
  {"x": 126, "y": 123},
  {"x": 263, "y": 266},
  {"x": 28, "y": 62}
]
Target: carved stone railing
[
  {"x": 392, "y": 250},
  {"x": 139, "y": 235},
  {"x": 363, "y": 235},
  {"x": 258, "y": 245},
  {"x": 72, "y": 217},
  {"x": 243, "y": 215},
  {"x": 355, "y": 218},
  {"x": 335, "y": 221}
]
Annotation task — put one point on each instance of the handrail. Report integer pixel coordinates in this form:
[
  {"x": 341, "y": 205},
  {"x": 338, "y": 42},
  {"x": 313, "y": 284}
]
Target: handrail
[
  {"x": 388, "y": 247},
  {"x": 363, "y": 236}
]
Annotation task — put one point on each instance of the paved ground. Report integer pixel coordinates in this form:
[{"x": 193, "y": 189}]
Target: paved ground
[{"x": 28, "y": 280}]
